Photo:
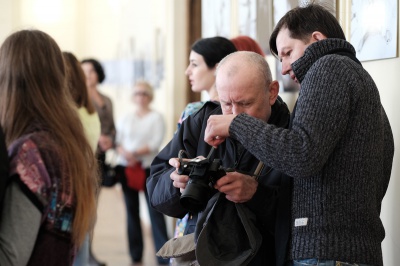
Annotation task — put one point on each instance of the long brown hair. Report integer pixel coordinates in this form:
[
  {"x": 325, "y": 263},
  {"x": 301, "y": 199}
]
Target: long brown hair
[
  {"x": 77, "y": 82},
  {"x": 33, "y": 93}
]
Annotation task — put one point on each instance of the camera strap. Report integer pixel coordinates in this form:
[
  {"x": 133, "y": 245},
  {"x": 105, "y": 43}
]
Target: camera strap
[{"x": 258, "y": 170}]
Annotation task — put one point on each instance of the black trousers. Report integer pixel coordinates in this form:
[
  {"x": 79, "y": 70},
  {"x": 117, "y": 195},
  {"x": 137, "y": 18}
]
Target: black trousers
[{"x": 135, "y": 236}]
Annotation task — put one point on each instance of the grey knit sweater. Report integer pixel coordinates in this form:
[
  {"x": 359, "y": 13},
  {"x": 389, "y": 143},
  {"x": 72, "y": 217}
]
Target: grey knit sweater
[{"x": 339, "y": 152}]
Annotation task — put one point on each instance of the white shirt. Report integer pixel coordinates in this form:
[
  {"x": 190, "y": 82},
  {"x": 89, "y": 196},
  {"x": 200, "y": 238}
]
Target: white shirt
[{"x": 134, "y": 132}]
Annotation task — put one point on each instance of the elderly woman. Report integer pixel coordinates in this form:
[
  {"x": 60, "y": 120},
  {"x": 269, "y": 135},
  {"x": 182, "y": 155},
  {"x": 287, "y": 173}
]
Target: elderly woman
[{"x": 139, "y": 136}]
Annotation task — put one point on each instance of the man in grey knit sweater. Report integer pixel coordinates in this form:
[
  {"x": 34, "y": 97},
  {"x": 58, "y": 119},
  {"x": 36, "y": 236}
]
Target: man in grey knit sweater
[{"x": 338, "y": 149}]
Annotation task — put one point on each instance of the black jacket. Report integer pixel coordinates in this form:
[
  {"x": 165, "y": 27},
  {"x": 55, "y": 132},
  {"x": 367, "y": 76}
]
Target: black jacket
[
  {"x": 164, "y": 197},
  {"x": 4, "y": 178}
]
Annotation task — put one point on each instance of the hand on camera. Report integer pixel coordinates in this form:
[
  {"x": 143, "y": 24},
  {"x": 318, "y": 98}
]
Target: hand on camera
[
  {"x": 238, "y": 187},
  {"x": 178, "y": 181}
]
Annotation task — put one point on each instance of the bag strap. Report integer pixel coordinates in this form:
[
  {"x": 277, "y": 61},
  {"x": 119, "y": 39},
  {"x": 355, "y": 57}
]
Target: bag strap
[{"x": 258, "y": 170}]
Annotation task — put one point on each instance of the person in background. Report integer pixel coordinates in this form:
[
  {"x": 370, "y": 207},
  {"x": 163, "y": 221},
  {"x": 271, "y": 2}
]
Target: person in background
[
  {"x": 90, "y": 121},
  {"x": 50, "y": 204},
  {"x": 94, "y": 76},
  {"x": 77, "y": 85},
  {"x": 204, "y": 57},
  {"x": 339, "y": 149},
  {"x": 245, "y": 43},
  {"x": 139, "y": 136}
]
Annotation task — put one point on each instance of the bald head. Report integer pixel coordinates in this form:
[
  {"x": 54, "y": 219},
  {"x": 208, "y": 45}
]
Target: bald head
[
  {"x": 244, "y": 84},
  {"x": 246, "y": 61}
]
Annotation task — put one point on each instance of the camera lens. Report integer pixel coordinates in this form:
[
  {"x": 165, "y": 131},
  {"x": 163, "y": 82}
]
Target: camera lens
[{"x": 195, "y": 196}]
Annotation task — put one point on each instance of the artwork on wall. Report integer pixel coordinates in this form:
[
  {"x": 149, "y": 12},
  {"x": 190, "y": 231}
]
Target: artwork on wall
[
  {"x": 247, "y": 16},
  {"x": 216, "y": 18},
  {"x": 255, "y": 20},
  {"x": 373, "y": 28}
]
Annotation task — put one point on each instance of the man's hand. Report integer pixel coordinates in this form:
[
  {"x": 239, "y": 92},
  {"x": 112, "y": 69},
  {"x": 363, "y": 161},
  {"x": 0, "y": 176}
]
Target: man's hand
[
  {"x": 217, "y": 129},
  {"x": 237, "y": 187},
  {"x": 179, "y": 181}
]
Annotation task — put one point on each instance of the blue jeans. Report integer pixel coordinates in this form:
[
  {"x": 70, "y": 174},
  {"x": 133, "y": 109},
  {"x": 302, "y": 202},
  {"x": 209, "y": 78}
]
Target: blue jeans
[
  {"x": 82, "y": 258},
  {"x": 318, "y": 262}
]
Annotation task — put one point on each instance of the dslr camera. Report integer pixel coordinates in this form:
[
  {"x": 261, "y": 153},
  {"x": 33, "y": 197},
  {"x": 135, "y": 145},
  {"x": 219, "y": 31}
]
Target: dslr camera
[{"x": 203, "y": 173}]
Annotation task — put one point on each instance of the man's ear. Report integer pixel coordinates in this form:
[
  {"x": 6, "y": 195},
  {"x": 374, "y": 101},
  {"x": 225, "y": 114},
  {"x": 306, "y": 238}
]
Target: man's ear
[
  {"x": 273, "y": 92},
  {"x": 317, "y": 36}
]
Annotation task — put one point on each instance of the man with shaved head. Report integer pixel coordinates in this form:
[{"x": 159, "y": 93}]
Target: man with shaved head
[{"x": 244, "y": 85}]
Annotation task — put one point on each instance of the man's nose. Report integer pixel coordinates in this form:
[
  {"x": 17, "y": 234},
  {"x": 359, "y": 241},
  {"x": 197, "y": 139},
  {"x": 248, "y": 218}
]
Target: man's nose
[
  {"x": 237, "y": 110},
  {"x": 286, "y": 67}
]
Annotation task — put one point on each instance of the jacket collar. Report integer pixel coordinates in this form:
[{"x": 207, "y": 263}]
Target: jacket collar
[{"x": 319, "y": 49}]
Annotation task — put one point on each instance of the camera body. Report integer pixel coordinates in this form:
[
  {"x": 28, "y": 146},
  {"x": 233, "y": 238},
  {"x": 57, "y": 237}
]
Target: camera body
[{"x": 203, "y": 174}]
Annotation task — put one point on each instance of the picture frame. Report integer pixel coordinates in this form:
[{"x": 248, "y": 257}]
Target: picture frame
[{"x": 374, "y": 29}]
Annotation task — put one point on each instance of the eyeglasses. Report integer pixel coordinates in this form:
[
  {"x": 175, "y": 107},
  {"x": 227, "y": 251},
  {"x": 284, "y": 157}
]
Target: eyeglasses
[{"x": 141, "y": 93}]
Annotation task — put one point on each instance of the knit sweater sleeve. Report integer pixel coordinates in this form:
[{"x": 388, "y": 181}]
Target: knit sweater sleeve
[{"x": 322, "y": 114}]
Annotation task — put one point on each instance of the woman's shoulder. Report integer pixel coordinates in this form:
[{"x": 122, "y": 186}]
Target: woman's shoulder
[
  {"x": 84, "y": 115},
  {"x": 26, "y": 161},
  {"x": 190, "y": 109},
  {"x": 193, "y": 107}
]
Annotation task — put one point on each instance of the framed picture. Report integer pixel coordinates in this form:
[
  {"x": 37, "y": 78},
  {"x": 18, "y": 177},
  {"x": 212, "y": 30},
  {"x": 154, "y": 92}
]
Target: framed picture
[
  {"x": 373, "y": 28},
  {"x": 215, "y": 18},
  {"x": 247, "y": 18}
]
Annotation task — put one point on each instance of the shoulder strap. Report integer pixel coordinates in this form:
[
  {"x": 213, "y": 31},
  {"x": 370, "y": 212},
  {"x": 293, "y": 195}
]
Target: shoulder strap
[{"x": 258, "y": 170}]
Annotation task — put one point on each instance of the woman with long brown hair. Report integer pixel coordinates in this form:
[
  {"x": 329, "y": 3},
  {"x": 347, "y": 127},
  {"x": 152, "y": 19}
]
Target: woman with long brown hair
[
  {"x": 76, "y": 81},
  {"x": 50, "y": 204}
]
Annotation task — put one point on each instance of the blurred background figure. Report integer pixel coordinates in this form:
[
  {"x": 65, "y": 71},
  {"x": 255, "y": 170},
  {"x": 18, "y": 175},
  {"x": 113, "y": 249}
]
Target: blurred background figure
[
  {"x": 139, "y": 136},
  {"x": 94, "y": 76},
  {"x": 50, "y": 204},
  {"x": 204, "y": 57},
  {"x": 246, "y": 43},
  {"x": 77, "y": 85},
  {"x": 90, "y": 121}
]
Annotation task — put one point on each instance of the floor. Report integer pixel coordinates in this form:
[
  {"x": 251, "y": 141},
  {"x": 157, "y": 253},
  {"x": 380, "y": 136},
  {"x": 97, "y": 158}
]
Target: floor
[{"x": 110, "y": 238}]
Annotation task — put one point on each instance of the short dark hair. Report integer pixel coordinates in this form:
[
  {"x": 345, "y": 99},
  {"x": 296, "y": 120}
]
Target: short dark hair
[
  {"x": 97, "y": 67},
  {"x": 213, "y": 49},
  {"x": 302, "y": 21}
]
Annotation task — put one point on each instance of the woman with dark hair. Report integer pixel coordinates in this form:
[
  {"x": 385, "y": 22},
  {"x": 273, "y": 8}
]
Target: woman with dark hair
[
  {"x": 50, "y": 203},
  {"x": 204, "y": 57},
  {"x": 203, "y": 60},
  {"x": 95, "y": 75}
]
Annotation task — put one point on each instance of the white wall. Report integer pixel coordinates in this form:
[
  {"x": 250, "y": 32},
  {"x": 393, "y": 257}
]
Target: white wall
[
  {"x": 117, "y": 33},
  {"x": 118, "y": 30},
  {"x": 385, "y": 74}
]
